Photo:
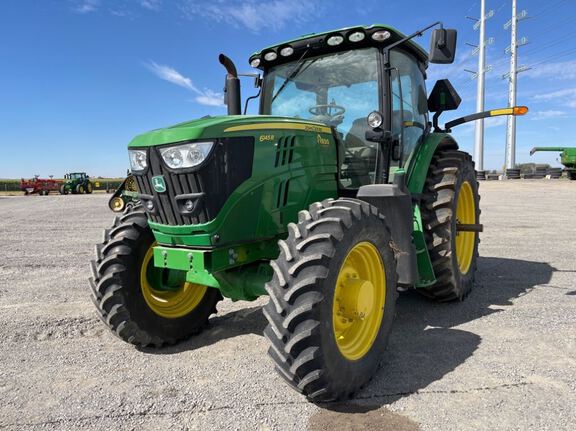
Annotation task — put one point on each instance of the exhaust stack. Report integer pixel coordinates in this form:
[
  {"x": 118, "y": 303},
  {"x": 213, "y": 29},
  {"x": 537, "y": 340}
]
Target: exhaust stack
[{"x": 231, "y": 86}]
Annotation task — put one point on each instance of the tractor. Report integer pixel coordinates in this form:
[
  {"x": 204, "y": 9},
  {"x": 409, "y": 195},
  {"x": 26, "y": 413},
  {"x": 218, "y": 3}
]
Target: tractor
[
  {"x": 567, "y": 158},
  {"x": 337, "y": 196},
  {"x": 76, "y": 183}
]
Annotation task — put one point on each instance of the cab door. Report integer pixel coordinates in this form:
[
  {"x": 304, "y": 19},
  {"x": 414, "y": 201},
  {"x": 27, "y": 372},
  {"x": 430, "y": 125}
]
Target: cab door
[{"x": 409, "y": 110}]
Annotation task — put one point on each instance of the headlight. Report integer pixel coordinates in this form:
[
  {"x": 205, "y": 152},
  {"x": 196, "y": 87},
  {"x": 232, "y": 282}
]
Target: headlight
[
  {"x": 137, "y": 160},
  {"x": 186, "y": 155}
]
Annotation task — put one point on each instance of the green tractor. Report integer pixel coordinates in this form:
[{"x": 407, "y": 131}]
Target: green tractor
[
  {"x": 76, "y": 183},
  {"x": 338, "y": 195},
  {"x": 567, "y": 158}
]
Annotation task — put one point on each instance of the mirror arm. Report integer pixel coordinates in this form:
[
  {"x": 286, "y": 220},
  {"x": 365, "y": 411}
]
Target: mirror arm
[
  {"x": 435, "y": 118},
  {"x": 256, "y": 96},
  {"x": 412, "y": 36}
]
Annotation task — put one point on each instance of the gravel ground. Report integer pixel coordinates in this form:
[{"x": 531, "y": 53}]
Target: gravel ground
[{"x": 503, "y": 359}]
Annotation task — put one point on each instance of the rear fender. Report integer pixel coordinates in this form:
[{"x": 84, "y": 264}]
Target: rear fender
[{"x": 417, "y": 174}]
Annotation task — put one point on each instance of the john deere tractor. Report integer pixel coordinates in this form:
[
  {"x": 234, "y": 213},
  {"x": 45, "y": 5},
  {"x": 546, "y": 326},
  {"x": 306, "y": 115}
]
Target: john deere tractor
[
  {"x": 337, "y": 195},
  {"x": 77, "y": 183}
]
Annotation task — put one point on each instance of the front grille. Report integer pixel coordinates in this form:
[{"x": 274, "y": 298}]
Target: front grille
[{"x": 229, "y": 165}]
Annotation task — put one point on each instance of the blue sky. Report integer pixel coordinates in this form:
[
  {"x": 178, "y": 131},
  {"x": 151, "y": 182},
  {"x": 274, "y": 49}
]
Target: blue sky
[{"x": 80, "y": 78}]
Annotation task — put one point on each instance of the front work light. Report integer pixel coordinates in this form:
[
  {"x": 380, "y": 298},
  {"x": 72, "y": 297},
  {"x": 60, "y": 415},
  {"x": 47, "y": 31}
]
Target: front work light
[
  {"x": 287, "y": 51},
  {"x": 357, "y": 36},
  {"x": 138, "y": 160},
  {"x": 335, "y": 40},
  {"x": 186, "y": 155},
  {"x": 381, "y": 36},
  {"x": 255, "y": 63},
  {"x": 270, "y": 56}
]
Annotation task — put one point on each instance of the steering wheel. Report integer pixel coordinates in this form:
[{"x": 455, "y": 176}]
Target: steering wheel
[{"x": 331, "y": 110}]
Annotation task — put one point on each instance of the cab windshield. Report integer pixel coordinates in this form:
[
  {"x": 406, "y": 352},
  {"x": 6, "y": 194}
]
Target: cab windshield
[{"x": 338, "y": 89}]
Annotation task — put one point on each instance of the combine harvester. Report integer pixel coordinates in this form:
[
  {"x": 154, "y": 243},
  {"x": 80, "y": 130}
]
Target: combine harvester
[
  {"x": 337, "y": 195},
  {"x": 567, "y": 158}
]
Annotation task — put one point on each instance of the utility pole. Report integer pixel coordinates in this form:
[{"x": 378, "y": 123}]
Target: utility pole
[
  {"x": 480, "y": 74},
  {"x": 512, "y": 78}
]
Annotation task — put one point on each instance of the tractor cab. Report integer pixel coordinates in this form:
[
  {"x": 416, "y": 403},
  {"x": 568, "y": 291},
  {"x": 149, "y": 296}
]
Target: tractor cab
[{"x": 339, "y": 78}]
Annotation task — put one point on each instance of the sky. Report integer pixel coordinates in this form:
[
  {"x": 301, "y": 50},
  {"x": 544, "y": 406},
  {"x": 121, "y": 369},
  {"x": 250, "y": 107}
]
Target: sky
[{"x": 80, "y": 78}]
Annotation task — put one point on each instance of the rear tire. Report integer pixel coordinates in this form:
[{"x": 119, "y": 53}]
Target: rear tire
[
  {"x": 63, "y": 190},
  {"x": 118, "y": 292},
  {"x": 572, "y": 175},
  {"x": 451, "y": 180},
  {"x": 319, "y": 351}
]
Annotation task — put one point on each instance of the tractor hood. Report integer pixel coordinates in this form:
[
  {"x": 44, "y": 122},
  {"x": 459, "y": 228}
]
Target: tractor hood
[{"x": 223, "y": 126}]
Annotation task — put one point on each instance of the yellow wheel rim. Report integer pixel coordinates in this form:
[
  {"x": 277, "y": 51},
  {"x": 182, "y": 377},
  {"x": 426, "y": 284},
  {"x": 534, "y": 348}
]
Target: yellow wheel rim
[
  {"x": 465, "y": 214},
  {"x": 172, "y": 300},
  {"x": 359, "y": 300},
  {"x": 117, "y": 204}
]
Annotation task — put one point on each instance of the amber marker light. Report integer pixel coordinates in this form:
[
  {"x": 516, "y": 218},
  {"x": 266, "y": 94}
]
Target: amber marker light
[{"x": 520, "y": 110}]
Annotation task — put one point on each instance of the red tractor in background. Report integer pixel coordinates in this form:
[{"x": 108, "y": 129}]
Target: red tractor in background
[{"x": 42, "y": 186}]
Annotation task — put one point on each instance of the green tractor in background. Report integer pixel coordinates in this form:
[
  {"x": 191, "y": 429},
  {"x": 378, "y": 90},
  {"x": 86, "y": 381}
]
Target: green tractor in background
[
  {"x": 567, "y": 158},
  {"x": 339, "y": 194},
  {"x": 76, "y": 183}
]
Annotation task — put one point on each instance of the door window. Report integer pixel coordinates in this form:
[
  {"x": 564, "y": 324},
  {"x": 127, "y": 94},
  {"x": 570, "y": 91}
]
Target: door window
[{"x": 409, "y": 102}]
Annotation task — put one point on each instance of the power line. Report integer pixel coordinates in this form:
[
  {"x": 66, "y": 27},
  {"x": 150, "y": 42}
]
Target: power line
[
  {"x": 548, "y": 8},
  {"x": 555, "y": 56},
  {"x": 552, "y": 43}
]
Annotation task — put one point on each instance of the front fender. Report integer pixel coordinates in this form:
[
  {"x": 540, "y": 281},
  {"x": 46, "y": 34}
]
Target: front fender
[{"x": 420, "y": 162}]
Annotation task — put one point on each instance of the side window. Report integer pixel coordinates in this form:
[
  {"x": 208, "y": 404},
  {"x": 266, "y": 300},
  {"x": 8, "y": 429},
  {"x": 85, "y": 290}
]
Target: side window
[{"x": 409, "y": 102}]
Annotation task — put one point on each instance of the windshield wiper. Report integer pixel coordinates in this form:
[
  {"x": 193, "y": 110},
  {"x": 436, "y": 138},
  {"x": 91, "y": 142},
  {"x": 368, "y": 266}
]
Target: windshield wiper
[{"x": 295, "y": 72}]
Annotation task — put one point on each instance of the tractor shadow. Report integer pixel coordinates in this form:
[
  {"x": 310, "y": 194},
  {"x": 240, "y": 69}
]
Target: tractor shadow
[
  {"x": 221, "y": 327},
  {"x": 424, "y": 345}
]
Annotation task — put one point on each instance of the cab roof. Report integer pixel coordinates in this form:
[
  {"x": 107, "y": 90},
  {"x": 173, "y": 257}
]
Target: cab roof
[{"x": 316, "y": 44}]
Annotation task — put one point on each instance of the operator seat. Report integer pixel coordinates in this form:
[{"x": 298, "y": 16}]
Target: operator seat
[{"x": 363, "y": 153}]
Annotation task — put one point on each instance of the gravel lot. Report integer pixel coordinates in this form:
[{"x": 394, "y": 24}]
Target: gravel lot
[{"x": 503, "y": 359}]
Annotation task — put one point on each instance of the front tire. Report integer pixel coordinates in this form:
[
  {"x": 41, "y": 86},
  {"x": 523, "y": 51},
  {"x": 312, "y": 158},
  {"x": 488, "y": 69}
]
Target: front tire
[
  {"x": 79, "y": 189},
  {"x": 451, "y": 197},
  {"x": 142, "y": 304},
  {"x": 332, "y": 299},
  {"x": 89, "y": 188}
]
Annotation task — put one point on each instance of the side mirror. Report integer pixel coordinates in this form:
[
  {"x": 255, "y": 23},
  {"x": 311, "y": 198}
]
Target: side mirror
[{"x": 443, "y": 46}]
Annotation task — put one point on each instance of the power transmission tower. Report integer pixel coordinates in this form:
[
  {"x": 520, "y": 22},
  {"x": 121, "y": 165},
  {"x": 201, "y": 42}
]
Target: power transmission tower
[
  {"x": 512, "y": 78},
  {"x": 480, "y": 74}
]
